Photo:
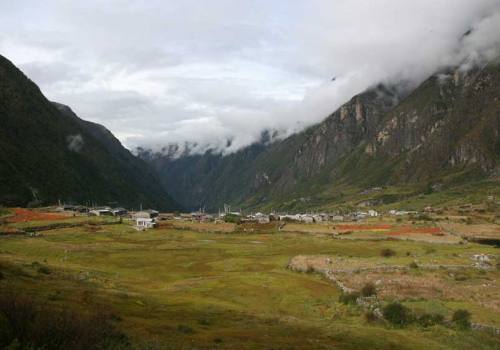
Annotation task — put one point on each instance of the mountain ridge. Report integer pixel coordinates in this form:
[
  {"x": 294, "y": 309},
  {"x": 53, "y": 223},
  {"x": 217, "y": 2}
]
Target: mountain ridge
[
  {"x": 47, "y": 153},
  {"x": 448, "y": 124}
]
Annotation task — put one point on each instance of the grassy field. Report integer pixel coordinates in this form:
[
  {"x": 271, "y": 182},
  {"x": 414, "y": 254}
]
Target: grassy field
[{"x": 181, "y": 289}]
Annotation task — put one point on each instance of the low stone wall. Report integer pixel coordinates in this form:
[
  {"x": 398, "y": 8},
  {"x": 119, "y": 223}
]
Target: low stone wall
[
  {"x": 485, "y": 328},
  {"x": 301, "y": 263}
]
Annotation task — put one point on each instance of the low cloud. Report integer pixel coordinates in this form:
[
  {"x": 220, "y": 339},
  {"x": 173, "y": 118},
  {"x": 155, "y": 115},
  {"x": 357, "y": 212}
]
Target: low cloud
[
  {"x": 218, "y": 74},
  {"x": 75, "y": 143}
]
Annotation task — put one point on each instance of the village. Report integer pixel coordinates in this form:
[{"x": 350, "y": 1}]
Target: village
[
  {"x": 149, "y": 218},
  {"x": 445, "y": 218},
  {"x": 342, "y": 268}
]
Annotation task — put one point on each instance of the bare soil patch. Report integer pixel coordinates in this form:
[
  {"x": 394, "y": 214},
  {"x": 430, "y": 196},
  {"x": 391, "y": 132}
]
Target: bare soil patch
[{"x": 25, "y": 215}]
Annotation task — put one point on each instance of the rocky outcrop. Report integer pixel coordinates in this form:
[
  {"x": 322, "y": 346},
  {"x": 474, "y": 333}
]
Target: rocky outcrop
[{"x": 380, "y": 137}]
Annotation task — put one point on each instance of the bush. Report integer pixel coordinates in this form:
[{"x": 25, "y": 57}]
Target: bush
[
  {"x": 185, "y": 329},
  {"x": 45, "y": 270},
  {"x": 428, "y": 320},
  {"x": 26, "y": 325},
  {"x": 461, "y": 277},
  {"x": 204, "y": 322},
  {"x": 232, "y": 218},
  {"x": 387, "y": 252},
  {"x": 424, "y": 217},
  {"x": 429, "y": 250},
  {"x": 397, "y": 314},
  {"x": 349, "y": 298},
  {"x": 413, "y": 265},
  {"x": 461, "y": 318},
  {"x": 370, "y": 316},
  {"x": 368, "y": 290}
]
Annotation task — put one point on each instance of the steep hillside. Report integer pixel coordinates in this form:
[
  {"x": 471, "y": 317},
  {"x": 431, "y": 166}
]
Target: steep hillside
[
  {"x": 442, "y": 135},
  {"x": 47, "y": 153},
  {"x": 209, "y": 180},
  {"x": 263, "y": 173}
]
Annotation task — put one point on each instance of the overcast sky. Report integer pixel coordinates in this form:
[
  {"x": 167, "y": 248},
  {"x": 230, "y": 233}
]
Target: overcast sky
[{"x": 158, "y": 72}]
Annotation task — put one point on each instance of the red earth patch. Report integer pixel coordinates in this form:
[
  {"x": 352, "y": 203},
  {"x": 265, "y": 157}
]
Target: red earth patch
[{"x": 24, "y": 215}]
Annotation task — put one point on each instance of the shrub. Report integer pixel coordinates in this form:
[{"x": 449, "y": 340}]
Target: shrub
[
  {"x": 349, "y": 298},
  {"x": 26, "y": 325},
  {"x": 461, "y": 318},
  {"x": 45, "y": 270},
  {"x": 424, "y": 217},
  {"x": 428, "y": 320},
  {"x": 413, "y": 265},
  {"x": 461, "y": 277},
  {"x": 204, "y": 322},
  {"x": 397, "y": 314},
  {"x": 387, "y": 252},
  {"x": 185, "y": 329},
  {"x": 232, "y": 218},
  {"x": 368, "y": 290},
  {"x": 429, "y": 250},
  {"x": 370, "y": 316}
]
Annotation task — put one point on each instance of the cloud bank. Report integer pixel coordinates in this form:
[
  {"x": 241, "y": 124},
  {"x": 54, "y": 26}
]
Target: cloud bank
[{"x": 215, "y": 74}]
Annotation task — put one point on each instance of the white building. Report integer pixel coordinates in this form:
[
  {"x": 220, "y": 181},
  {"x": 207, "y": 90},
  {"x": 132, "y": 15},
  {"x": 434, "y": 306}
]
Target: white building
[
  {"x": 262, "y": 218},
  {"x": 145, "y": 214},
  {"x": 119, "y": 211},
  {"x": 308, "y": 219},
  {"x": 372, "y": 213},
  {"x": 145, "y": 223}
]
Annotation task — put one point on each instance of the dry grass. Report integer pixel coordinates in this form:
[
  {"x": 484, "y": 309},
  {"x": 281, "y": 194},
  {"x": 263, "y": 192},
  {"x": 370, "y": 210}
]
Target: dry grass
[
  {"x": 474, "y": 230},
  {"x": 225, "y": 227}
]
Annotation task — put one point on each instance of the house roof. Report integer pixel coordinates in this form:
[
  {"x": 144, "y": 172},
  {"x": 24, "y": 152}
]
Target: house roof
[{"x": 101, "y": 209}]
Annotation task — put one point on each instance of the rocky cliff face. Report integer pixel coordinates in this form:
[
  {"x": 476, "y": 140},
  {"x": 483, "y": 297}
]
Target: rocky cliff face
[
  {"x": 450, "y": 121},
  {"x": 380, "y": 137}
]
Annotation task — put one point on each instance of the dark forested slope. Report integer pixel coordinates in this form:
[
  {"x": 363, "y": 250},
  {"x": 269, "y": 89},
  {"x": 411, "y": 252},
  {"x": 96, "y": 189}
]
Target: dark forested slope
[{"x": 47, "y": 153}]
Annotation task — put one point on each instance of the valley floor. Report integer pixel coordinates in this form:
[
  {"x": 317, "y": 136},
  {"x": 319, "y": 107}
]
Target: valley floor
[{"x": 182, "y": 288}]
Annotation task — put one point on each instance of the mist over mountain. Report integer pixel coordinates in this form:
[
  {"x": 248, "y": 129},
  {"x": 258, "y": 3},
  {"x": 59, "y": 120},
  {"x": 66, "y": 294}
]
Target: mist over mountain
[
  {"x": 443, "y": 134},
  {"x": 231, "y": 69},
  {"x": 237, "y": 102}
]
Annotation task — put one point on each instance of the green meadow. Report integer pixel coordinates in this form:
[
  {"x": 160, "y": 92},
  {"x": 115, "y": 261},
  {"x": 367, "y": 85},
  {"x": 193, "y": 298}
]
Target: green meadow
[{"x": 180, "y": 289}]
